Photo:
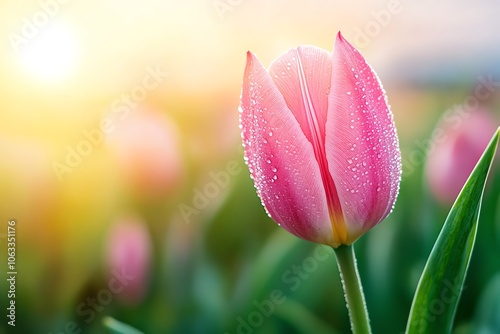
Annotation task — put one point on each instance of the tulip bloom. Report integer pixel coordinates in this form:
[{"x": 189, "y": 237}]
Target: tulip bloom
[
  {"x": 320, "y": 142},
  {"x": 145, "y": 144},
  {"x": 457, "y": 150},
  {"x": 129, "y": 251}
]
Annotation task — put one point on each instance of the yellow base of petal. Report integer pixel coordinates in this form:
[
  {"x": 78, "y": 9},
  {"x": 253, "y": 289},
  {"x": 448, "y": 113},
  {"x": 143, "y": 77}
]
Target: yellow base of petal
[{"x": 339, "y": 229}]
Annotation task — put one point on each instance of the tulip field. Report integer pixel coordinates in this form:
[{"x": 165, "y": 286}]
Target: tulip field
[{"x": 242, "y": 167}]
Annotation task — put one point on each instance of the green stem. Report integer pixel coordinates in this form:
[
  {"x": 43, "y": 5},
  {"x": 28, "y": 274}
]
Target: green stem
[{"x": 346, "y": 260}]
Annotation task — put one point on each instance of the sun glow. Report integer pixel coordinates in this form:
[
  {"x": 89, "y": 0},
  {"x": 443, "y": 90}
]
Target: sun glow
[{"x": 52, "y": 55}]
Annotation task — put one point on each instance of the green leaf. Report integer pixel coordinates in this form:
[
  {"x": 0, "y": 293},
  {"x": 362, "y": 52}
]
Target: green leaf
[
  {"x": 442, "y": 281},
  {"x": 117, "y": 327}
]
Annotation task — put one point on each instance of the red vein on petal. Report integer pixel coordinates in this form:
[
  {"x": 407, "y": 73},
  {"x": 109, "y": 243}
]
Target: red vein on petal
[{"x": 318, "y": 143}]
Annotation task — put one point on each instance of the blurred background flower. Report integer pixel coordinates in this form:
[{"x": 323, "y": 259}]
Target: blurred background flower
[
  {"x": 72, "y": 70},
  {"x": 461, "y": 141},
  {"x": 146, "y": 147},
  {"x": 129, "y": 254}
]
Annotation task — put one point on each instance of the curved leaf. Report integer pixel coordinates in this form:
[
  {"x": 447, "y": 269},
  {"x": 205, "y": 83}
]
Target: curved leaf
[
  {"x": 442, "y": 281},
  {"x": 117, "y": 327}
]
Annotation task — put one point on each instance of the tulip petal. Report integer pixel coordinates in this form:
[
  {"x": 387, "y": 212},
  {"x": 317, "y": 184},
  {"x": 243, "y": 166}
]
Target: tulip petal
[
  {"x": 361, "y": 141},
  {"x": 279, "y": 157},
  {"x": 303, "y": 76}
]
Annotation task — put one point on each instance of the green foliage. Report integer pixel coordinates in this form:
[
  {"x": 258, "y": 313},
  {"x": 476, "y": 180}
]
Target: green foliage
[
  {"x": 117, "y": 327},
  {"x": 441, "y": 284}
]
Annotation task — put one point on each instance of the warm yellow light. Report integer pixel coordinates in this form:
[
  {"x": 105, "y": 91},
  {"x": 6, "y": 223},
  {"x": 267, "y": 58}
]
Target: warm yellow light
[{"x": 53, "y": 54}]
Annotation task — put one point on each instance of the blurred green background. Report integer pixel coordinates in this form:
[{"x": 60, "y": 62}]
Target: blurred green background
[{"x": 120, "y": 148}]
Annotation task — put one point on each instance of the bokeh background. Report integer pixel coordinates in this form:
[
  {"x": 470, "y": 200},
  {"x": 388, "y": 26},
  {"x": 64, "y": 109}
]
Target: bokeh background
[{"x": 121, "y": 164}]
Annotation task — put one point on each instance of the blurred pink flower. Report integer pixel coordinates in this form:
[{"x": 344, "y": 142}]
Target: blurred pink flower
[
  {"x": 146, "y": 146},
  {"x": 456, "y": 152},
  {"x": 320, "y": 142},
  {"x": 129, "y": 253}
]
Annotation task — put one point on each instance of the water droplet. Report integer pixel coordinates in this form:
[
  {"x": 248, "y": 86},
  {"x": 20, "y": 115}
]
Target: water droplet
[
  {"x": 349, "y": 93},
  {"x": 349, "y": 161},
  {"x": 270, "y": 133}
]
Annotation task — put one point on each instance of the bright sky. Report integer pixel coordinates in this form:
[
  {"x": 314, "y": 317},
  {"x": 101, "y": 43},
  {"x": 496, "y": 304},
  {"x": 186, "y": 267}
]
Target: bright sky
[{"x": 53, "y": 56}]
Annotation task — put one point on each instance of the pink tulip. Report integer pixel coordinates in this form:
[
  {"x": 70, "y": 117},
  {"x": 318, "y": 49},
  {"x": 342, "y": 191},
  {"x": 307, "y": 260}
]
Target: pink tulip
[
  {"x": 129, "y": 251},
  {"x": 320, "y": 142},
  {"x": 457, "y": 150},
  {"x": 145, "y": 144}
]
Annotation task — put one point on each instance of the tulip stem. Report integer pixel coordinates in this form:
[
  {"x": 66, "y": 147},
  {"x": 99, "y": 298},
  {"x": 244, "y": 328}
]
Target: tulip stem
[{"x": 356, "y": 305}]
